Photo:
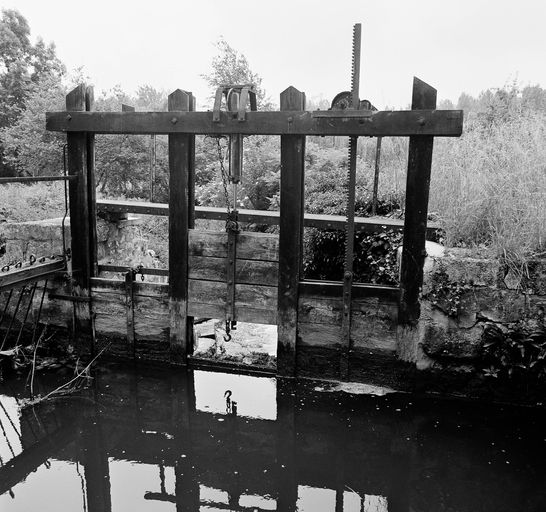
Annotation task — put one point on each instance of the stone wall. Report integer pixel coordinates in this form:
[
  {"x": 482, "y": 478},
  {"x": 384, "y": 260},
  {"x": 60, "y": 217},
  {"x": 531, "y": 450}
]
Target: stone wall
[
  {"x": 482, "y": 323},
  {"x": 121, "y": 242}
]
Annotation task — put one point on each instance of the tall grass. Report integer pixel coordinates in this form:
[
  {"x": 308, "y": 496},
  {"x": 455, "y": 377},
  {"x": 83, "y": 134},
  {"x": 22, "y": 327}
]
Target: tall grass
[
  {"x": 20, "y": 203},
  {"x": 489, "y": 186}
]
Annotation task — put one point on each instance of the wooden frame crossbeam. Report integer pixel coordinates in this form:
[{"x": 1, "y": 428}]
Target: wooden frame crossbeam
[
  {"x": 271, "y": 218},
  {"x": 439, "y": 123}
]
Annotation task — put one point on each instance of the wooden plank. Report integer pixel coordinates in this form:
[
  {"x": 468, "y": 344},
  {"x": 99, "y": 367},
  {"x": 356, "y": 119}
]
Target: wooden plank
[
  {"x": 334, "y": 288},
  {"x": 214, "y": 292},
  {"x": 291, "y": 237},
  {"x": 329, "y": 336},
  {"x": 373, "y": 325},
  {"x": 100, "y": 285},
  {"x": 415, "y": 223},
  {"x": 180, "y": 153},
  {"x": 311, "y": 220},
  {"x": 246, "y": 271},
  {"x": 440, "y": 123},
  {"x": 124, "y": 268},
  {"x": 110, "y": 315},
  {"x": 35, "y": 179},
  {"x": 151, "y": 319},
  {"x": 244, "y": 314},
  {"x": 250, "y": 246}
]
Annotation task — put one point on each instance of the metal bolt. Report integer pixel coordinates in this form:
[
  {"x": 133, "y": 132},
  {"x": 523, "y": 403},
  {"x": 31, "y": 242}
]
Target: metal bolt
[
  {"x": 68, "y": 117},
  {"x": 421, "y": 121},
  {"x": 290, "y": 119},
  {"x": 174, "y": 120}
]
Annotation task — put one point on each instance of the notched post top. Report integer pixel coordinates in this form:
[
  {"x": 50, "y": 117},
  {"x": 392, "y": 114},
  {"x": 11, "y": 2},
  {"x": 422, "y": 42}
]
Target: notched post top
[
  {"x": 181, "y": 100},
  {"x": 423, "y": 95},
  {"x": 292, "y": 99},
  {"x": 75, "y": 99}
]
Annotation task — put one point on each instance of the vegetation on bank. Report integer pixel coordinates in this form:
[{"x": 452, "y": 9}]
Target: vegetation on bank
[{"x": 488, "y": 186}]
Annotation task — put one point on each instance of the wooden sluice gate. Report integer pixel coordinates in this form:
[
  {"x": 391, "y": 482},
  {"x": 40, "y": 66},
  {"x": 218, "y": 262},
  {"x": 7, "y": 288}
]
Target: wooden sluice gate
[{"x": 325, "y": 326}]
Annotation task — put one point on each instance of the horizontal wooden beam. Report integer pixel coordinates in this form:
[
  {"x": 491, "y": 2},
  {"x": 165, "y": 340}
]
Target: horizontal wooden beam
[
  {"x": 28, "y": 274},
  {"x": 35, "y": 179},
  {"x": 311, "y": 220},
  {"x": 443, "y": 123},
  {"x": 359, "y": 291}
]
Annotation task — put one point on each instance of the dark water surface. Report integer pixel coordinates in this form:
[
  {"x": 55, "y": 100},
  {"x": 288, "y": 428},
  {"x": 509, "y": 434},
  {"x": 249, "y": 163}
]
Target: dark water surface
[{"x": 164, "y": 441}]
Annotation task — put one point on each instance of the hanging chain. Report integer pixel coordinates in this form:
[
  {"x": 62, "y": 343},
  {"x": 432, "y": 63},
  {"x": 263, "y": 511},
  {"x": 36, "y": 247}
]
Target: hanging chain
[
  {"x": 232, "y": 224},
  {"x": 224, "y": 175}
]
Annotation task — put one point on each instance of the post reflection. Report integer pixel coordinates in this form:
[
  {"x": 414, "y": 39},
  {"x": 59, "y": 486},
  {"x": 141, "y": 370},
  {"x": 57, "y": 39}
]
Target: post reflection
[{"x": 171, "y": 441}]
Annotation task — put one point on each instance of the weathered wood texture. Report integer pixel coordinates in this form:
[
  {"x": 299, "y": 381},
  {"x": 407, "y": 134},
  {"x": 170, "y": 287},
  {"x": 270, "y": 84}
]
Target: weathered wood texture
[
  {"x": 290, "y": 238},
  {"x": 255, "y": 278},
  {"x": 80, "y": 228},
  {"x": 78, "y": 192},
  {"x": 180, "y": 211},
  {"x": 446, "y": 123},
  {"x": 310, "y": 220},
  {"x": 373, "y": 325},
  {"x": 250, "y": 246},
  {"x": 91, "y": 186},
  {"x": 415, "y": 222}
]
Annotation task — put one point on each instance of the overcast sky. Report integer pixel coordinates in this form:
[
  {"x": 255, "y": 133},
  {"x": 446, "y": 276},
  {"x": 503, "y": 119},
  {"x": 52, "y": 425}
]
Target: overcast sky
[{"x": 456, "y": 46}]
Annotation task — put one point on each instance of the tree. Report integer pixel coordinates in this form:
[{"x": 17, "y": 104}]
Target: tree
[
  {"x": 229, "y": 67},
  {"x": 22, "y": 66},
  {"x": 28, "y": 148}
]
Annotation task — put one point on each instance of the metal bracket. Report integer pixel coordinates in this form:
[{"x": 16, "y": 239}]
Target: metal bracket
[{"x": 246, "y": 93}]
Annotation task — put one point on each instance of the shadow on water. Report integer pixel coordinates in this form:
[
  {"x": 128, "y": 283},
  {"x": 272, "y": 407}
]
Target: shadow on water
[{"x": 172, "y": 440}]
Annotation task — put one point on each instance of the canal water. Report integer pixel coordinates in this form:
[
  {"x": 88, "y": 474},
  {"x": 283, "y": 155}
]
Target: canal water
[{"x": 179, "y": 441}]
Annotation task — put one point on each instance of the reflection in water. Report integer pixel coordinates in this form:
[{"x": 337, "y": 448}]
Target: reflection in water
[{"x": 165, "y": 441}]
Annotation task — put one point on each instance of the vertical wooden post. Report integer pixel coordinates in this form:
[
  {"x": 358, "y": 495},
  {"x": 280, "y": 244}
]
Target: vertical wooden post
[
  {"x": 291, "y": 237},
  {"x": 181, "y": 206},
  {"x": 91, "y": 187},
  {"x": 376, "y": 175},
  {"x": 130, "y": 310},
  {"x": 77, "y": 161},
  {"x": 416, "y": 211}
]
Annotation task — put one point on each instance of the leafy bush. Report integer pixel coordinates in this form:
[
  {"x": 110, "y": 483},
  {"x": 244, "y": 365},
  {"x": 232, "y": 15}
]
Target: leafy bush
[
  {"x": 519, "y": 351},
  {"x": 375, "y": 256}
]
